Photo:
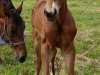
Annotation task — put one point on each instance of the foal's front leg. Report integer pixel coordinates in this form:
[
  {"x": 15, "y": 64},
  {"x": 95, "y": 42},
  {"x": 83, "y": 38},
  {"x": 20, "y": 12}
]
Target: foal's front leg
[
  {"x": 69, "y": 56},
  {"x": 37, "y": 46},
  {"x": 45, "y": 58}
]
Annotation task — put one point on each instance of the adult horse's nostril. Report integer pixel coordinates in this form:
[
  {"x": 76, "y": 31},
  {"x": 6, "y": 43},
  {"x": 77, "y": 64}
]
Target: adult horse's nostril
[
  {"x": 50, "y": 15},
  {"x": 22, "y": 59}
]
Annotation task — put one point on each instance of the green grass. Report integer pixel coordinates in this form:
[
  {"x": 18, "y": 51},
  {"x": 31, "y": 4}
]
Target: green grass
[{"x": 87, "y": 17}]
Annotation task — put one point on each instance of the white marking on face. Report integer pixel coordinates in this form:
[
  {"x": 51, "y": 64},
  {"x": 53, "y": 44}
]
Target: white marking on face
[
  {"x": 52, "y": 8},
  {"x": 55, "y": 6}
]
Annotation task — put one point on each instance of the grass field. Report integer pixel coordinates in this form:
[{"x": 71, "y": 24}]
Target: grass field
[{"x": 87, "y": 16}]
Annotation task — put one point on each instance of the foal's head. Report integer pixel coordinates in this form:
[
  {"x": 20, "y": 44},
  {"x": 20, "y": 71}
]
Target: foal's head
[
  {"x": 52, "y": 8},
  {"x": 14, "y": 30}
]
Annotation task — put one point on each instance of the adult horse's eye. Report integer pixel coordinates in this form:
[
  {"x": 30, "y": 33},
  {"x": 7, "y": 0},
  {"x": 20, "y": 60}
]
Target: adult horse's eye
[{"x": 13, "y": 31}]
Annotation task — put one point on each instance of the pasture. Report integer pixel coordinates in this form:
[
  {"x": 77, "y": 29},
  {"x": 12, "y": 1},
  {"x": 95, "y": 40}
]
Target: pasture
[{"x": 87, "y": 42}]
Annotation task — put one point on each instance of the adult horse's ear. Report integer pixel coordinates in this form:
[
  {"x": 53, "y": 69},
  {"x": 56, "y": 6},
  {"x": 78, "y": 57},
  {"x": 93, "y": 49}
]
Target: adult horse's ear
[
  {"x": 19, "y": 9},
  {"x": 6, "y": 9}
]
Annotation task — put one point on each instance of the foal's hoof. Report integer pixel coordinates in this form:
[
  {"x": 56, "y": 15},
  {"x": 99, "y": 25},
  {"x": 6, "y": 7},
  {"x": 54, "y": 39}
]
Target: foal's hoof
[{"x": 1, "y": 61}]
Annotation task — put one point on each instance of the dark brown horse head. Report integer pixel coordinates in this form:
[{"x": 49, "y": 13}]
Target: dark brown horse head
[
  {"x": 13, "y": 30},
  {"x": 52, "y": 8}
]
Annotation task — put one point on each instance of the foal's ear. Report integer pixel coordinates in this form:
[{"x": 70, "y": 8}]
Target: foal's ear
[
  {"x": 7, "y": 12},
  {"x": 19, "y": 9}
]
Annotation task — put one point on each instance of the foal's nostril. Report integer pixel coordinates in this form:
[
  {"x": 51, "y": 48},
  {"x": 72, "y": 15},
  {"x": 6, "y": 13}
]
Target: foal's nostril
[
  {"x": 22, "y": 59},
  {"x": 50, "y": 14}
]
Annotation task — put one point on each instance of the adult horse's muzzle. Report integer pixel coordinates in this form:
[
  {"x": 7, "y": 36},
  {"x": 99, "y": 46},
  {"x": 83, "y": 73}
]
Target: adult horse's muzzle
[
  {"x": 21, "y": 53},
  {"x": 50, "y": 15}
]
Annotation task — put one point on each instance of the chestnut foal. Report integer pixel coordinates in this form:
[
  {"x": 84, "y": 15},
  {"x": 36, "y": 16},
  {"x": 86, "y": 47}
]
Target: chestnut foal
[{"x": 53, "y": 26}]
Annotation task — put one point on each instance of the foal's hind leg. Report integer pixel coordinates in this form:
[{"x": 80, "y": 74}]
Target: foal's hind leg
[
  {"x": 69, "y": 56},
  {"x": 37, "y": 46}
]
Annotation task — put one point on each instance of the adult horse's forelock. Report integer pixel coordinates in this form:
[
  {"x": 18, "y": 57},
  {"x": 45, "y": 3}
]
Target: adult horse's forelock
[
  {"x": 10, "y": 10},
  {"x": 9, "y": 4},
  {"x": 9, "y": 7}
]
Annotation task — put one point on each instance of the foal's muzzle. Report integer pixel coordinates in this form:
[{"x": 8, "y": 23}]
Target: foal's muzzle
[{"x": 50, "y": 15}]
